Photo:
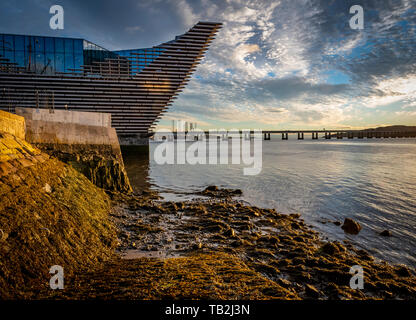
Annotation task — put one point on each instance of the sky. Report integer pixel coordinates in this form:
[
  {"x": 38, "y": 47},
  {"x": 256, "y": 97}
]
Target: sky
[{"x": 289, "y": 64}]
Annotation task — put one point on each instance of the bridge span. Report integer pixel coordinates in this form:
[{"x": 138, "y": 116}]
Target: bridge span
[
  {"x": 340, "y": 134},
  {"x": 315, "y": 134}
]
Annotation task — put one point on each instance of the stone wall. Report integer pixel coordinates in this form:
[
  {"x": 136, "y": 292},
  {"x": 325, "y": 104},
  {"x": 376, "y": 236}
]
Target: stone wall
[
  {"x": 83, "y": 139},
  {"x": 12, "y": 124}
]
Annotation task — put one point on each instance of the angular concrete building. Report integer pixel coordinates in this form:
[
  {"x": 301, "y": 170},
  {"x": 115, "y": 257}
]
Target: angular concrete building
[{"x": 136, "y": 86}]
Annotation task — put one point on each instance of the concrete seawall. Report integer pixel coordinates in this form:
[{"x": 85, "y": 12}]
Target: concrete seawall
[
  {"x": 85, "y": 140},
  {"x": 69, "y": 127},
  {"x": 66, "y": 116}
]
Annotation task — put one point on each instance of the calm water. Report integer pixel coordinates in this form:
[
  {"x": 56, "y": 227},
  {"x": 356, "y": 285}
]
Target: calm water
[{"x": 371, "y": 181}]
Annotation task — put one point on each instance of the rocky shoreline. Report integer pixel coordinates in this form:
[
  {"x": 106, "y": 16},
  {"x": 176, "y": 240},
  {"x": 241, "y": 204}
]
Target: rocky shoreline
[
  {"x": 115, "y": 245},
  {"x": 220, "y": 248}
]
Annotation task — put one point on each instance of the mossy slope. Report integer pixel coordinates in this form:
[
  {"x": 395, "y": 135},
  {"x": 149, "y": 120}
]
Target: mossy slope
[{"x": 50, "y": 214}]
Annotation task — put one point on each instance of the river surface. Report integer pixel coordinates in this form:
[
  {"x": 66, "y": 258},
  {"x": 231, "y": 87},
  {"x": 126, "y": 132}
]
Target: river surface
[{"x": 371, "y": 181}]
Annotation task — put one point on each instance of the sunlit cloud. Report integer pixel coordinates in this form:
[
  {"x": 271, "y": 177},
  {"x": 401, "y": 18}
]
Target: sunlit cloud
[{"x": 273, "y": 64}]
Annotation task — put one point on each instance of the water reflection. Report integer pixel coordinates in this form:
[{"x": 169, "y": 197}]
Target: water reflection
[
  {"x": 372, "y": 181},
  {"x": 136, "y": 161}
]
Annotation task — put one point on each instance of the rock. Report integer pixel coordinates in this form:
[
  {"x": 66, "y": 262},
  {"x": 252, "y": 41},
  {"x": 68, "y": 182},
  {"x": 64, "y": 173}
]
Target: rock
[
  {"x": 238, "y": 192},
  {"x": 311, "y": 291},
  {"x": 101, "y": 165},
  {"x": 294, "y": 225},
  {"x": 211, "y": 188},
  {"x": 337, "y": 223},
  {"x": 214, "y": 191},
  {"x": 385, "y": 233},
  {"x": 351, "y": 226},
  {"x": 403, "y": 271},
  {"x": 47, "y": 188},
  {"x": 330, "y": 248},
  {"x": 230, "y": 233}
]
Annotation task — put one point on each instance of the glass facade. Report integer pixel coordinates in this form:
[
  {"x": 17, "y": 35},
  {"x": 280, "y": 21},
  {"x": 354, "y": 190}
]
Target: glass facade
[
  {"x": 93, "y": 53},
  {"x": 52, "y": 55},
  {"x": 42, "y": 55},
  {"x": 140, "y": 58}
]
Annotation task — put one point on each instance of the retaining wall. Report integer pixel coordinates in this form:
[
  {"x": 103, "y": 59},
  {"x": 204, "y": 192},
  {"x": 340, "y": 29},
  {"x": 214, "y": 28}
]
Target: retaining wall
[
  {"x": 65, "y": 116},
  {"x": 69, "y": 127},
  {"x": 83, "y": 139},
  {"x": 13, "y": 124}
]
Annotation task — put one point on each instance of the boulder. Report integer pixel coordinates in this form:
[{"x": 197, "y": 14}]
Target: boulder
[
  {"x": 385, "y": 233},
  {"x": 211, "y": 188},
  {"x": 351, "y": 226},
  {"x": 403, "y": 271},
  {"x": 330, "y": 248}
]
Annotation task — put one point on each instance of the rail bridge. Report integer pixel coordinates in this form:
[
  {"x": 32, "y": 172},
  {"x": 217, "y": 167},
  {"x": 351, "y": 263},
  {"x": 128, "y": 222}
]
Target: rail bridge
[
  {"x": 314, "y": 134},
  {"x": 339, "y": 134}
]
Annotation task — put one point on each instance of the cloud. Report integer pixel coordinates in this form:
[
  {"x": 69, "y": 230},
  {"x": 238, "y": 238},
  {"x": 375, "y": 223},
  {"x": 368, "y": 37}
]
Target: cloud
[
  {"x": 270, "y": 62},
  {"x": 133, "y": 29}
]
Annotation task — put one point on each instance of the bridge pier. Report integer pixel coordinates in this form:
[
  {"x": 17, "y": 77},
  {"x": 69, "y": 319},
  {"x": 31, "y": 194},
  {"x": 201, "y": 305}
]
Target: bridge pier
[
  {"x": 266, "y": 136},
  {"x": 327, "y": 135},
  {"x": 340, "y": 135},
  {"x": 285, "y": 136},
  {"x": 369, "y": 135},
  {"x": 300, "y": 135},
  {"x": 314, "y": 135},
  {"x": 350, "y": 135},
  {"x": 360, "y": 135}
]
